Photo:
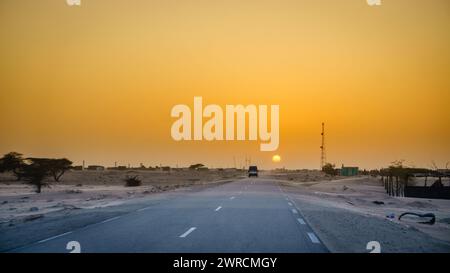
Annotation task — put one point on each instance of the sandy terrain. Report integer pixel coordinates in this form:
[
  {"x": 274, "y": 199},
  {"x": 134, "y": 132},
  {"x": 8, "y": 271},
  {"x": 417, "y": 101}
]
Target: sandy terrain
[
  {"x": 94, "y": 189},
  {"x": 357, "y": 195}
]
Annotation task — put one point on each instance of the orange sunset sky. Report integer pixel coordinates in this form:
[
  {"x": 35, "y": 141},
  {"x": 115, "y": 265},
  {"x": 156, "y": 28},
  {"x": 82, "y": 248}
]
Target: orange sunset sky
[{"x": 97, "y": 82}]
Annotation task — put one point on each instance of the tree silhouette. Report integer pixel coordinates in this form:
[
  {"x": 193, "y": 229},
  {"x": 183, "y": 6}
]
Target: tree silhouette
[
  {"x": 12, "y": 162},
  {"x": 56, "y": 167},
  {"x": 35, "y": 173},
  {"x": 328, "y": 168},
  {"x": 196, "y": 166}
]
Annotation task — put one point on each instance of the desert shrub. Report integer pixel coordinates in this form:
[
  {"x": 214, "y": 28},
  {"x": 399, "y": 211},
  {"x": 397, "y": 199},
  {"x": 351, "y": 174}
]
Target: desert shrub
[{"x": 132, "y": 181}]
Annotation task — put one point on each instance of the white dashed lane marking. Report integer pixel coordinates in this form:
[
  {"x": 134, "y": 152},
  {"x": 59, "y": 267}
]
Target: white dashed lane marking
[
  {"x": 218, "y": 208},
  {"x": 54, "y": 237},
  {"x": 187, "y": 232},
  {"x": 232, "y": 197},
  {"x": 311, "y": 235},
  {"x": 313, "y": 238}
]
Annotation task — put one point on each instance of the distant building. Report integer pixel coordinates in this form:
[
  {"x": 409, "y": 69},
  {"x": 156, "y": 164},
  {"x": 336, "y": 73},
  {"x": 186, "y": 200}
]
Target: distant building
[
  {"x": 165, "y": 168},
  {"x": 348, "y": 171},
  {"x": 95, "y": 168},
  {"x": 77, "y": 168}
]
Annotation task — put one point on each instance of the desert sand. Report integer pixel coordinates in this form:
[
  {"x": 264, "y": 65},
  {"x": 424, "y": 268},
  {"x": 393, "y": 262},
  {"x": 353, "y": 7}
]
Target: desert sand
[
  {"x": 363, "y": 195},
  {"x": 95, "y": 189}
]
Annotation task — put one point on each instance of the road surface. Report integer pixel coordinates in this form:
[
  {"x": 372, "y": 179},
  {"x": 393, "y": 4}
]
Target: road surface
[{"x": 250, "y": 215}]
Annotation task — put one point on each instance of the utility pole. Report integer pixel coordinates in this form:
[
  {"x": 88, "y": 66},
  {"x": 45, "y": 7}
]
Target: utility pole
[{"x": 322, "y": 148}]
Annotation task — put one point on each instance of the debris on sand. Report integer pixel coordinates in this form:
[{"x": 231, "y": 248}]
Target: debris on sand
[
  {"x": 33, "y": 217},
  {"x": 376, "y": 202},
  {"x": 425, "y": 215},
  {"x": 152, "y": 190},
  {"x": 390, "y": 216}
]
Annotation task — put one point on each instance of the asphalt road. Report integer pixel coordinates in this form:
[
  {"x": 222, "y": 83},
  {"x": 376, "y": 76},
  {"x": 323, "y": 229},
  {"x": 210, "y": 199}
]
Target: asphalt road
[{"x": 250, "y": 215}]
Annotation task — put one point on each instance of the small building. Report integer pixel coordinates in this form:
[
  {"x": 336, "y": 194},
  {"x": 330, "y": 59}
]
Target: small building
[
  {"x": 95, "y": 168},
  {"x": 348, "y": 171}
]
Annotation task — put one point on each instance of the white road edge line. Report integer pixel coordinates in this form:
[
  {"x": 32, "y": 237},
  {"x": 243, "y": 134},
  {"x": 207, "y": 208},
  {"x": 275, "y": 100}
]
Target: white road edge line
[
  {"x": 313, "y": 238},
  {"x": 294, "y": 211},
  {"x": 110, "y": 219},
  {"x": 187, "y": 232},
  {"x": 54, "y": 237},
  {"x": 311, "y": 235},
  {"x": 143, "y": 209},
  {"x": 218, "y": 208},
  {"x": 290, "y": 204}
]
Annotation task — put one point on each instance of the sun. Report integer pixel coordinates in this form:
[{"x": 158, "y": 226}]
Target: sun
[{"x": 276, "y": 158}]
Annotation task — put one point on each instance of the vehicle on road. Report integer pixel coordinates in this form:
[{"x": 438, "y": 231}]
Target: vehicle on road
[{"x": 252, "y": 171}]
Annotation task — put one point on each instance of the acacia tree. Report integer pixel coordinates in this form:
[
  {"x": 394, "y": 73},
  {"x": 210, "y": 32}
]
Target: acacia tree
[
  {"x": 56, "y": 167},
  {"x": 12, "y": 162},
  {"x": 35, "y": 173},
  {"x": 60, "y": 166}
]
